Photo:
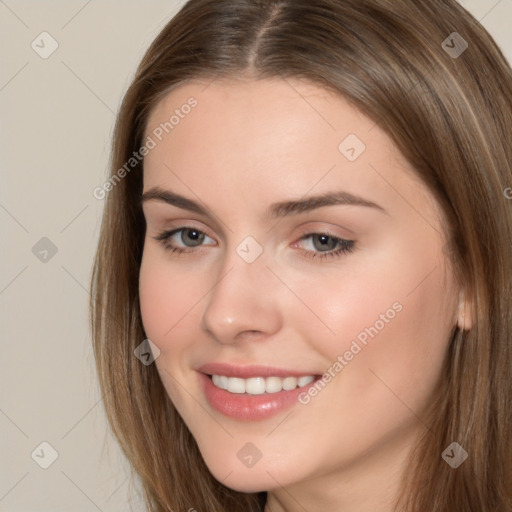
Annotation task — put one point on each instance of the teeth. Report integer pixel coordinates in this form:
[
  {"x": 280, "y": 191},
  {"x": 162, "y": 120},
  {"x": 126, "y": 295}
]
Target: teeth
[
  {"x": 304, "y": 381},
  {"x": 236, "y": 385},
  {"x": 273, "y": 384},
  {"x": 220, "y": 381},
  {"x": 255, "y": 386},
  {"x": 289, "y": 383},
  {"x": 260, "y": 385}
]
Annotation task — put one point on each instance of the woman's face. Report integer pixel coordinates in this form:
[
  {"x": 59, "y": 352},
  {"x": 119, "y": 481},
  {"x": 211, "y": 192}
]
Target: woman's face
[{"x": 277, "y": 287}]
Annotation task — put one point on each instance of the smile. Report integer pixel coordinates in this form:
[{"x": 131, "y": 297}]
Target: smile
[{"x": 260, "y": 385}]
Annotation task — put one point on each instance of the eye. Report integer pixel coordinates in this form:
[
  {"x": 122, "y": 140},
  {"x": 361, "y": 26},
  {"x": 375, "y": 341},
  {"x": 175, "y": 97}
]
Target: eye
[
  {"x": 190, "y": 237},
  {"x": 323, "y": 245},
  {"x": 327, "y": 246}
]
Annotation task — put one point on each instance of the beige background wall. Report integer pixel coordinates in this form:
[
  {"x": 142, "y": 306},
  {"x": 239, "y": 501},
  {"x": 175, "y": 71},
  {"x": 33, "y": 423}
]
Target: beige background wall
[{"x": 56, "y": 118}]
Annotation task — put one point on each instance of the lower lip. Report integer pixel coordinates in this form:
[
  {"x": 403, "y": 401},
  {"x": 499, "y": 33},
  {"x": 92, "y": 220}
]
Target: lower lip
[{"x": 243, "y": 406}]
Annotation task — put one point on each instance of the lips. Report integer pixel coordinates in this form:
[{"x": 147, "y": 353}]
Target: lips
[
  {"x": 247, "y": 371},
  {"x": 251, "y": 393}
]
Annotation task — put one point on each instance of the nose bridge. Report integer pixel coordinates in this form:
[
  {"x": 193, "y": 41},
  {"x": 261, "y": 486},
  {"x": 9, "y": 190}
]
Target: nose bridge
[{"x": 243, "y": 298}]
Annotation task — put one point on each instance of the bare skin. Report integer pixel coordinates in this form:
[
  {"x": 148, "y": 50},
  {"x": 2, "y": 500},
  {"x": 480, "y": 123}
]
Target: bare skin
[{"x": 246, "y": 145}]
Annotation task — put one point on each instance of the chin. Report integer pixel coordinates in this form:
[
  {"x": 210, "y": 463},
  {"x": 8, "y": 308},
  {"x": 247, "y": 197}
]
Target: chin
[
  {"x": 247, "y": 485},
  {"x": 240, "y": 478}
]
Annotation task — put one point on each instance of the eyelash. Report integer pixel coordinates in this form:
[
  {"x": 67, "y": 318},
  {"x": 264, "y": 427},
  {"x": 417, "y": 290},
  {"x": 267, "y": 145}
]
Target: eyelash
[{"x": 346, "y": 246}]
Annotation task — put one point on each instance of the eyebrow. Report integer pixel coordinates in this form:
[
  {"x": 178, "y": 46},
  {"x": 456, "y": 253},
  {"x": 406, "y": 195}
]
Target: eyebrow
[{"x": 275, "y": 210}]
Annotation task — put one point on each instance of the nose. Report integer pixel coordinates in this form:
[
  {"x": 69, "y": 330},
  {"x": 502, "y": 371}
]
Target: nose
[{"x": 243, "y": 302}]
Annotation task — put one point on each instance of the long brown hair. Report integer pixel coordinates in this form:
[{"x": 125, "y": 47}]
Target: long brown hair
[{"x": 448, "y": 108}]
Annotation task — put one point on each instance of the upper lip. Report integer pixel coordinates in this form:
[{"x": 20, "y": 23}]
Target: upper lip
[{"x": 248, "y": 371}]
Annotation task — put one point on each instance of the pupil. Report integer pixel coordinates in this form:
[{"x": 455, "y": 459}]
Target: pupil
[
  {"x": 193, "y": 235},
  {"x": 324, "y": 242}
]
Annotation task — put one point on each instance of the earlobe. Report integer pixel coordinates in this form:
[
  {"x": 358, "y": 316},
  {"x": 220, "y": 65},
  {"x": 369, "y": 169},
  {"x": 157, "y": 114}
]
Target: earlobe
[{"x": 464, "y": 313}]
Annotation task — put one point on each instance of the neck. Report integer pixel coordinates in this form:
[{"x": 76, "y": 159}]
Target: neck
[{"x": 370, "y": 484}]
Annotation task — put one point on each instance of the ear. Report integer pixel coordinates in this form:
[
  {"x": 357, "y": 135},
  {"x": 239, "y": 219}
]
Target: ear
[{"x": 464, "y": 312}]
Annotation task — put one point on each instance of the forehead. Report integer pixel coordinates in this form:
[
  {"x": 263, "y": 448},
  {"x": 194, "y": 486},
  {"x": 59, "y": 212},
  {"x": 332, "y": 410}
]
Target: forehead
[
  {"x": 272, "y": 138},
  {"x": 264, "y": 123},
  {"x": 259, "y": 107}
]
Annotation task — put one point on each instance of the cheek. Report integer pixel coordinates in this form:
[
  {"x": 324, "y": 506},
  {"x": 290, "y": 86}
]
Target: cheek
[
  {"x": 155, "y": 299},
  {"x": 393, "y": 318},
  {"x": 355, "y": 303},
  {"x": 403, "y": 359},
  {"x": 165, "y": 300}
]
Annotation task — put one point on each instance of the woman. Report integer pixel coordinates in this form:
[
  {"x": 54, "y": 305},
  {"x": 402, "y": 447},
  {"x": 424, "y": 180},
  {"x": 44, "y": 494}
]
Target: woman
[{"x": 301, "y": 295}]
